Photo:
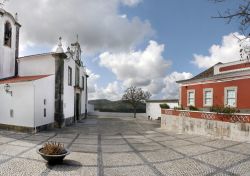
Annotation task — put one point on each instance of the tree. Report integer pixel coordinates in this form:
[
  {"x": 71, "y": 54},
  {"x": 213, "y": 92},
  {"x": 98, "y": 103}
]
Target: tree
[
  {"x": 240, "y": 13},
  {"x": 134, "y": 96}
]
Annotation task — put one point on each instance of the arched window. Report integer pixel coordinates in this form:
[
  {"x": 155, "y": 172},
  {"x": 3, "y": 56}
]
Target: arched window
[{"x": 7, "y": 34}]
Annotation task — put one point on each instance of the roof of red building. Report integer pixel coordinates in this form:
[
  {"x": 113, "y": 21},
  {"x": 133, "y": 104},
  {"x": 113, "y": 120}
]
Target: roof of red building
[
  {"x": 205, "y": 74},
  {"x": 22, "y": 79}
]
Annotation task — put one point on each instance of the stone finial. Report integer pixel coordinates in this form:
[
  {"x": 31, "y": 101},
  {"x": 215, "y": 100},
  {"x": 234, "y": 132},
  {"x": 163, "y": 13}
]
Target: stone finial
[
  {"x": 16, "y": 17},
  {"x": 59, "y": 47}
]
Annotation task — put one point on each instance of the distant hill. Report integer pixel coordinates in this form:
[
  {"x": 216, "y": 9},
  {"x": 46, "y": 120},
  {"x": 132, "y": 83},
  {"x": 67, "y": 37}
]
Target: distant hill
[{"x": 104, "y": 105}]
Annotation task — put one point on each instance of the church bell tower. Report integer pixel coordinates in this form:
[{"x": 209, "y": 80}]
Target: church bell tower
[{"x": 9, "y": 44}]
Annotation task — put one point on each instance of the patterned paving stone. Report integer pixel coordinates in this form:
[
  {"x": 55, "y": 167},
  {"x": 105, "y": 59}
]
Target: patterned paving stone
[
  {"x": 113, "y": 142},
  {"x": 83, "y": 148},
  {"x": 194, "y": 149},
  {"x": 138, "y": 140},
  {"x": 37, "y": 138},
  {"x": 221, "y": 174},
  {"x": 63, "y": 140},
  {"x": 243, "y": 148},
  {"x": 11, "y": 149},
  {"x": 241, "y": 169},
  {"x": 220, "y": 143},
  {"x": 221, "y": 159},
  {"x": 129, "y": 171},
  {"x": 86, "y": 141},
  {"x": 121, "y": 159},
  {"x": 31, "y": 154},
  {"x": 163, "y": 138},
  {"x": 184, "y": 167},
  {"x": 176, "y": 143},
  {"x": 6, "y": 139},
  {"x": 116, "y": 148},
  {"x": 64, "y": 170},
  {"x": 24, "y": 143},
  {"x": 86, "y": 159},
  {"x": 147, "y": 147},
  {"x": 161, "y": 155},
  {"x": 200, "y": 139},
  {"x": 21, "y": 167}
]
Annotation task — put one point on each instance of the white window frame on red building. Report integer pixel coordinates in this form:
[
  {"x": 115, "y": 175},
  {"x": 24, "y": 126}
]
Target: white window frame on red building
[
  {"x": 188, "y": 98},
  {"x": 226, "y": 89},
  {"x": 204, "y": 97}
]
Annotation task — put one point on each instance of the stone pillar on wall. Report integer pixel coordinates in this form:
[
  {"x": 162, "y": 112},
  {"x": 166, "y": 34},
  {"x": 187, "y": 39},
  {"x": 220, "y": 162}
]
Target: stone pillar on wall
[{"x": 59, "y": 91}]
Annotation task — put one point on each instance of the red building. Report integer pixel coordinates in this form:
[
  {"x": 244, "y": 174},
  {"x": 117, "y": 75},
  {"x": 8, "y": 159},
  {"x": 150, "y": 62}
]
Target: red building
[{"x": 221, "y": 85}]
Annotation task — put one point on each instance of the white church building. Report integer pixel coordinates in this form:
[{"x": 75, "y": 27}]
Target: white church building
[{"x": 39, "y": 91}]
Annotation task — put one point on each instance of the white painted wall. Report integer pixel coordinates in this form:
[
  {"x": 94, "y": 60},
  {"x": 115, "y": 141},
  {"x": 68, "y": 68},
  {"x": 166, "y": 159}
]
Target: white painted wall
[
  {"x": 44, "y": 89},
  {"x": 154, "y": 111},
  {"x": 68, "y": 96},
  {"x": 22, "y": 102},
  {"x": 7, "y": 55},
  {"x": 36, "y": 65}
]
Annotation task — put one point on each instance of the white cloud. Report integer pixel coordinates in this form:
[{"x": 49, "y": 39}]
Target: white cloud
[
  {"x": 98, "y": 23},
  {"x": 113, "y": 91},
  {"x": 92, "y": 81},
  {"x": 138, "y": 68},
  {"x": 171, "y": 89},
  {"x": 131, "y": 2},
  {"x": 226, "y": 52}
]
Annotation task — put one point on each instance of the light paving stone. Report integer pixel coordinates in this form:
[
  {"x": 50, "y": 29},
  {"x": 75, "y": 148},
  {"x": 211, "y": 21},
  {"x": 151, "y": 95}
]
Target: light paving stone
[
  {"x": 185, "y": 136},
  {"x": 21, "y": 167},
  {"x": 86, "y": 159},
  {"x": 32, "y": 154},
  {"x": 111, "y": 137},
  {"x": 176, "y": 143},
  {"x": 11, "y": 149},
  {"x": 37, "y": 138},
  {"x": 200, "y": 139},
  {"x": 242, "y": 169},
  {"x": 19, "y": 135},
  {"x": 194, "y": 149},
  {"x": 116, "y": 148},
  {"x": 147, "y": 147},
  {"x": 184, "y": 167},
  {"x": 83, "y": 148},
  {"x": 220, "y": 158},
  {"x": 221, "y": 174},
  {"x": 88, "y": 136},
  {"x": 3, "y": 158},
  {"x": 129, "y": 171},
  {"x": 220, "y": 143},
  {"x": 161, "y": 155},
  {"x": 163, "y": 138},
  {"x": 243, "y": 148},
  {"x": 62, "y": 170},
  {"x": 6, "y": 139},
  {"x": 113, "y": 142},
  {"x": 86, "y": 141},
  {"x": 138, "y": 140},
  {"x": 24, "y": 143},
  {"x": 121, "y": 159}
]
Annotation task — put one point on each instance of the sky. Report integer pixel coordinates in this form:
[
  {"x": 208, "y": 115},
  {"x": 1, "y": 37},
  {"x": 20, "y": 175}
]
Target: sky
[{"x": 145, "y": 43}]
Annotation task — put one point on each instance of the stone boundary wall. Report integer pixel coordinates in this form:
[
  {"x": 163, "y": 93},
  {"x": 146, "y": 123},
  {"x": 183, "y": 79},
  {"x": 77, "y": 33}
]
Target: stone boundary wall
[{"x": 230, "y": 127}]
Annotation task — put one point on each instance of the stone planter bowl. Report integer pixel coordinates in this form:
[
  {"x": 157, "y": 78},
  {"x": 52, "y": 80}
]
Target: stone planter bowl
[{"x": 53, "y": 159}]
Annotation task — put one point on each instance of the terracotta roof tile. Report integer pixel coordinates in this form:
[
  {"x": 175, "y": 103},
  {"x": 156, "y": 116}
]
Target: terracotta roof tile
[{"x": 22, "y": 79}]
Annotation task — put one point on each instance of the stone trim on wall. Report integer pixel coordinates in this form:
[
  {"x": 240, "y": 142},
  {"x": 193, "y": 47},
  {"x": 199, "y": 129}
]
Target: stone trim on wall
[{"x": 26, "y": 129}]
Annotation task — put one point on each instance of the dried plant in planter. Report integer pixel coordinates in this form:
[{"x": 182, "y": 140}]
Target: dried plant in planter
[{"x": 53, "y": 148}]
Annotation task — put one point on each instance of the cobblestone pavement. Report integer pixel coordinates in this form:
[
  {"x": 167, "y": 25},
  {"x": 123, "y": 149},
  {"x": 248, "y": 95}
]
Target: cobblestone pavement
[{"x": 123, "y": 147}]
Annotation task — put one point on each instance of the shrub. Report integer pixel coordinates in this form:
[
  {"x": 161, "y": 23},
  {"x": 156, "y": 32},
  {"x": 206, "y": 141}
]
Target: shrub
[
  {"x": 193, "y": 108},
  {"x": 225, "y": 110},
  {"x": 164, "y": 106},
  {"x": 53, "y": 148}
]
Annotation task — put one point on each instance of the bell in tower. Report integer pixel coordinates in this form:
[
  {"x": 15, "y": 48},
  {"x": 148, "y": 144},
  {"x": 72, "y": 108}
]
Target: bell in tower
[{"x": 9, "y": 44}]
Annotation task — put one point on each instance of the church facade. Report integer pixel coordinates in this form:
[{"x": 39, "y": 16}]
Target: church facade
[{"x": 39, "y": 91}]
